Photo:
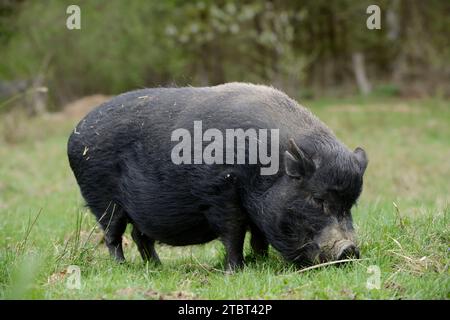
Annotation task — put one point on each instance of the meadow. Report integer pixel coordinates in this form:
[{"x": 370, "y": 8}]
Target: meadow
[{"x": 402, "y": 219}]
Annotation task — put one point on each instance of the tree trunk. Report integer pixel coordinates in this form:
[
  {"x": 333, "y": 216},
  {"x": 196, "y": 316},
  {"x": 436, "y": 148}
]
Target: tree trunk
[{"x": 360, "y": 73}]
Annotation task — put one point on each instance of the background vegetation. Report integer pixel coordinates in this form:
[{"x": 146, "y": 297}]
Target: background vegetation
[
  {"x": 399, "y": 111},
  {"x": 308, "y": 48}
]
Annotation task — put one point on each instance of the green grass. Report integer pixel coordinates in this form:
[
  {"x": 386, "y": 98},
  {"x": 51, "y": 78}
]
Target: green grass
[{"x": 408, "y": 144}]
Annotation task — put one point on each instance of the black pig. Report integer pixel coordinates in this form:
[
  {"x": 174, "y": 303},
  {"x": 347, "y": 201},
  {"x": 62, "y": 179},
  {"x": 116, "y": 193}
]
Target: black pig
[{"x": 121, "y": 155}]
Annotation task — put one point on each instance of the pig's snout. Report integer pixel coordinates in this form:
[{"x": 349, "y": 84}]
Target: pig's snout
[
  {"x": 336, "y": 243},
  {"x": 348, "y": 251}
]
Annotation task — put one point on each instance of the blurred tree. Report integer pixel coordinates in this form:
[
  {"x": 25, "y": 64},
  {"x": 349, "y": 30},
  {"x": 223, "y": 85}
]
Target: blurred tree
[{"x": 302, "y": 46}]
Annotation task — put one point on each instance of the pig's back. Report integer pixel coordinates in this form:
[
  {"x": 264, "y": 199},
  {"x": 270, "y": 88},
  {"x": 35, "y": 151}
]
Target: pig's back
[{"x": 137, "y": 126}]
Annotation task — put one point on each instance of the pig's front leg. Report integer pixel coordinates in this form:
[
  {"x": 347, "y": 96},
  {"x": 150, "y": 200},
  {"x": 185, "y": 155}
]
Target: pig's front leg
[
  {"x": 233, "y": 240},
  {"x": 258, "y": 242},
  {"x": 230, "y": 225}
]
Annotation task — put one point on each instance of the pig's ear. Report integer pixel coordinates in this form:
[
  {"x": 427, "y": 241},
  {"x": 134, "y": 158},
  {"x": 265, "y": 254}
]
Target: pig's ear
[
  {"x": 361, "y": 157},
  {"x": 296, "y": 163}
]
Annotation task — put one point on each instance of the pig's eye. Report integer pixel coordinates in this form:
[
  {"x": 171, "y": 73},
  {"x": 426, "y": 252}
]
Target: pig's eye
[{"x": 319, "y": 202}]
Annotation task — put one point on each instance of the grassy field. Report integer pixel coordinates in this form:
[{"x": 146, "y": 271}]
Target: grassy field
[{"x": 44, "y": 227}]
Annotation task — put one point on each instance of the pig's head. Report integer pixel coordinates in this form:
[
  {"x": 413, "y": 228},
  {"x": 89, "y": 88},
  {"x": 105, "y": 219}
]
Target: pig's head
[{"x": 314, "y": 199}]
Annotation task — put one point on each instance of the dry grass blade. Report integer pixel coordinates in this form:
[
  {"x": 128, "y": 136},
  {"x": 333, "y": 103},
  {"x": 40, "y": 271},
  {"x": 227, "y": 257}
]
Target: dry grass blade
[
  {"x": 397, "y": 211},
  {"x": 30, "y": 225},
  {"x": 320, "y": 265},
  {"x": 204, "y": 268},
  {"x": 401, "y": 255},
  {"x": 397, "y": 243}
]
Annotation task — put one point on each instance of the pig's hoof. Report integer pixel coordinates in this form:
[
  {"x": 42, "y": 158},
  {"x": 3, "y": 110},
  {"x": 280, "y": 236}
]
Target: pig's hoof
[
  {"x": 230, "y": 271},
  {"x": 256, "y": 256},
  {"x": 234, "y": 267},
  {"x": 120, "y": 261},
  {"x": 152, "y": 262}
]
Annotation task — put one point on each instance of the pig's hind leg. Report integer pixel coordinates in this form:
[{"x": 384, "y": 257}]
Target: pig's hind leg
[
  {"x": 145, "y": 245},
  {"x": 258, "y": 242},
  {"x": 113, "y": 221}
]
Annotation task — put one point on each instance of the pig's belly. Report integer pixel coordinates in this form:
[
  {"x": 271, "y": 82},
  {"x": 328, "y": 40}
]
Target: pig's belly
[{"x": 181, "y": 232}]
